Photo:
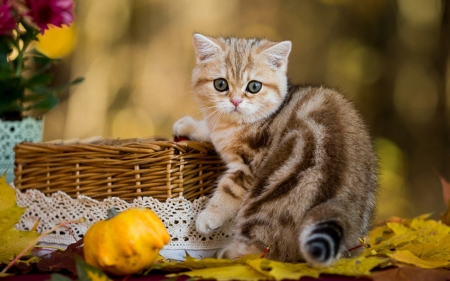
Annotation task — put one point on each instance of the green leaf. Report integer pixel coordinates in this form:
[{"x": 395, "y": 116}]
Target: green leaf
[
  {"x": 11, "y": 92},
  {"x": 64, "y": 87},
  {"x": 38, "y": 80},
  {"x": 77, "y": 80},
  {"x": 10, "y": 89},
  {"x": 42, "y": 59},
  {"x": 12, "y": 241},
  {"x": 88, "y": 272},
  {"x": 48, "y": 103},
  {"x": 6, "y": 72},
  {"x": 30, "y": 33},
  {"x": 5, "y": 49}
]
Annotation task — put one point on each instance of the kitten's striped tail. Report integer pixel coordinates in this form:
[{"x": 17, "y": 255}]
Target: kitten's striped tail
[{"x": 321, "y": 243}]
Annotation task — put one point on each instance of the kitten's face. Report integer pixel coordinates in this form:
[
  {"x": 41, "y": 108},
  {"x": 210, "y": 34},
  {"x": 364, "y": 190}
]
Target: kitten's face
[{"x": 239, "y": 80}]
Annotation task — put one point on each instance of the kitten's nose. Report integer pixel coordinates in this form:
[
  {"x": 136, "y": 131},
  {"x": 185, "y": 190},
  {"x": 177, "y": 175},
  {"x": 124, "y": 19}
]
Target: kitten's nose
[{"x": 236, "y": 101}]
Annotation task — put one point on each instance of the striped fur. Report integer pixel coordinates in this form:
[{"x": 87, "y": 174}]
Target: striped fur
[{"x": 301, "y": 174}]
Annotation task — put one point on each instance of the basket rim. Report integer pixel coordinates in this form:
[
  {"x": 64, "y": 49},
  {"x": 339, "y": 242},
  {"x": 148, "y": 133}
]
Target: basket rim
[{"x": 132, "y": 145}]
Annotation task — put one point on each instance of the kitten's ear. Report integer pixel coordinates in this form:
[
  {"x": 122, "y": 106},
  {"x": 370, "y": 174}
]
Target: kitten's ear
[
  {"x": 277, "y": 55},
  {"x": 205, "y": 48}
]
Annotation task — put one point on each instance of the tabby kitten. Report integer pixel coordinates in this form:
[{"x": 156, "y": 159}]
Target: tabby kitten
[{"x": 301, "y": 172}]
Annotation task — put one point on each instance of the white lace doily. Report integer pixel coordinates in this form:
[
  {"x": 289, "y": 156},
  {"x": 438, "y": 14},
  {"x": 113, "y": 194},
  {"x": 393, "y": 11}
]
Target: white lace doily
[
  {"x": 177, "y": 214},
  {"x": 13, "y": 132}
]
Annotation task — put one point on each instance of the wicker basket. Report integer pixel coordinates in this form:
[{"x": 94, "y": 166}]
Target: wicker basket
[{"x": 122, "y": 168}]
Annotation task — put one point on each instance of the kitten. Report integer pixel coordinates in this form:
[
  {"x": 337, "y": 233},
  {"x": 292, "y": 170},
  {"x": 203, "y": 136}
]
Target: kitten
[{"x": 301, "y": 172}]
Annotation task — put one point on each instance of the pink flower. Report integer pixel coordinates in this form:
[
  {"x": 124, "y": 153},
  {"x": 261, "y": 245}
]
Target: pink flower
[
  {"x": 7, "y": 21},
  {"x": 54, "y": 12}
]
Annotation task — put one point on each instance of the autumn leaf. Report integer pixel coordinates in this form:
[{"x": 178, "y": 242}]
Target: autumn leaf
[
  {"x": 59, "y": 260},
  {"x": 408, "y": 257},
  {"x": 12, "y": 241},
  {"x": 190, "y": 264},
  {"x": 360, "y": 266},
  {"x": 193, "y": 263},
  {"x": 230, "y": 272},
  {"x": 88, "y": 272},
  {"x": 279, "y": 270},
  {"x": 420, "y": 241},
  {"x": 24, "y": 266},
  {"x": 256, "y": 268}
]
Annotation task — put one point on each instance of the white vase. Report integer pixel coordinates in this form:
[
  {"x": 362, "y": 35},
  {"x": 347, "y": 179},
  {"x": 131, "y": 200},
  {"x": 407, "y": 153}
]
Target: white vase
[{"x": 13, "y": 132}]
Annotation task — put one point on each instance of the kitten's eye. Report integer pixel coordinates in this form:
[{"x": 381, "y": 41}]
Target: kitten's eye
[
  {"x": 221, "y": 85},
  {"x": 254, "y": 87}
]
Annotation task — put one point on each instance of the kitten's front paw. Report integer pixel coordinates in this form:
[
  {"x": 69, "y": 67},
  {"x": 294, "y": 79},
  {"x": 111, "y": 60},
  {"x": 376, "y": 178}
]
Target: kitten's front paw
[
  {"x": 184, "y": 127},
  {"x": 208, "y": 221},
  {"x": 191, "y": 128}
]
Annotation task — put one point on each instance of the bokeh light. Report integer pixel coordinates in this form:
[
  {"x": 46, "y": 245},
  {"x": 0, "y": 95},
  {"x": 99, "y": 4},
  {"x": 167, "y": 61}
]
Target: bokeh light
[{"x": 393, "y": 194}]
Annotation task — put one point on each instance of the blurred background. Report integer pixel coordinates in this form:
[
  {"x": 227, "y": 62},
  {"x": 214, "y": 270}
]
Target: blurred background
[{"x": 390, "y": 57}]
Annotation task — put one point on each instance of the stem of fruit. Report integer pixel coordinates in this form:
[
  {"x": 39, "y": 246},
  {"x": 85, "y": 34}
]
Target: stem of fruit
[{"x": 112, "y": 212}]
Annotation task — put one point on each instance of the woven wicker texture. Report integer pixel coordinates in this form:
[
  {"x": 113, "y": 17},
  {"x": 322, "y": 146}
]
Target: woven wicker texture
[{"x": 122, "y": 168}]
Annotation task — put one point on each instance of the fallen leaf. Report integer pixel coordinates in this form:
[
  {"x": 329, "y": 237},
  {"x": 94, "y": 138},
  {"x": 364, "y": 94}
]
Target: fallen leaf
[
  {"x": 190, "y": 264},
  {"x": 88, "y": 272},
  {"x": 408, "y": 257},
  {"x": 360, "y": 266},
  {"x": 8, "y": 198},
  {"x": 436, "y": 250},
  {"x": 24, "y": 266},
  {"x": 280, "y": 270},
  {"x": 233, "y": 272},
  {"x": 253, "y": 267},
  {"x": 12, "y": 241},
  {"x": 59, "y": 260}
]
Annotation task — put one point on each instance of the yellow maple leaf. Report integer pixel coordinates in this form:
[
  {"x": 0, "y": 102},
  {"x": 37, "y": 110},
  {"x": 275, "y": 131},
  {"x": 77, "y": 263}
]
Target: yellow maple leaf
[
  {"x": 193, "y": 263},
  {"x": 360, "y": 266},
  {"x": 233, "y": 272},
  {"x": 280, "y": 270},
  {"x": 435, "y": 250},
  {"x": 255, "y": 268},
  {"x": 408, "y": 257},
  {"x": 429, "y": 230},
  {"x": 12, "y": 241},
  {"x": 398, "y": 228},
  {"x": 379, "y": 233}
]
